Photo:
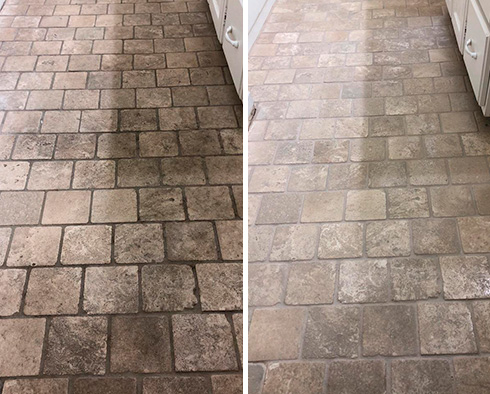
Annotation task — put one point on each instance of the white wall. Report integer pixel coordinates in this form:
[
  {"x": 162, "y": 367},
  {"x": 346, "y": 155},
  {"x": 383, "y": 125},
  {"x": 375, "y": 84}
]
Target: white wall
[{"x": 258, "y": 11}]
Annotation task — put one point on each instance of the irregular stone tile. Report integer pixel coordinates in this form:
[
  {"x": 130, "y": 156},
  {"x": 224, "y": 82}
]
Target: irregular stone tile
[
  {"x": 407, "y": 203},
  {"x": 34, "y": 246},
  {"x": 227, "y": 384},
  {"x": 269, "y": 179},
  {"x": 279, "y": 208},
  {"x": 389, "y": 330},
  {"x": 465, "y": 277},
  {"x": 167, "y": 287},
  {"x": 363, "y": 281},
  {"x": 482, "y": 202},
  {"x": 294, "y": 153},
  {"x": 86, "y": 245},
  {"x": 297, "y": 377},
  {"x": 177, "y": 385},
  {"x": 40, "y": 386},
  {"x": 209, "y": 203},
  {"x": 452, "y": 201},
  {"x": 114, "y": 206},
  {"x": 329, "y": 151},
  {"x": 111, "y": 290},
  {"x": 140, "y": 344},
  {"x": 21, "y": 341},
  {"x": 20, "y": 207},
  {"x": 469, "y": 170},
  {"x": 347, "y": 176},
  {"x": 220, "y": 286},
  {"x": 341, "y": 240},
  {"x": 69, "y": 207},
  {"x": 318, "y": 278},
  {"x": 138, "y": 243},
  {"x": 76, "y": 345},
  {"x": 34, "y": 147},
  {"x": 414, "y": 279},
  {"x": 238, "y": 328},
  {"x": 458, "y": 122},
  {"x": 474, "y": 234},
  {"x": 156, "y": 144},
  {"x": 275, "y": 334},
  {"x": 265, "y": 284},
  {"x": 368, "y": 150},
  {"x": 435, "y": 236},
  {"x": 53, "y": 291},
  {"x": 4, "y": 243},
  {"x": 481, "y": 317},
  {"x": 75, "y": 146},
  {"x": 203, "y": 343},
  {"x": 387, "y": 174},
  {"x": 472, "y": 375},
  {"x": 332, "y": 331},
  {"x": 138, "y": 172},
  {"x": 296, "y": 242},
  {"x": 256, "y": 374},
  {"x": 183, "y": 171},
  {"x": 369, "y": 375},
  {"x": 11, "y": 290},
  {"x": 415, "y": 376},
  {"x": 108, "y": 385},
  {"x": 365, "y": 205},
  {"x": 13, "y": 175},
  {"x": 50, "y": 175},
  {"x": 161, "y": 204},
  {"x": 230, "y": 236},
  {"x": 427, "y": 172},
  {"x": 309, "y": 178},
  {"x": 446, "y": 328},
  {"x": 322, "y": 207},
  {"x": 388, "y": 238},
  {"x": 190, "y": 241}
]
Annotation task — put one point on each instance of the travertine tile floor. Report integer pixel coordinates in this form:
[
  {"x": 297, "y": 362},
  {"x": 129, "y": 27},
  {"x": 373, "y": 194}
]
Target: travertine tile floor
[
  {"x": 369, "y": 204},
  {"x": 120, "y": 200}
]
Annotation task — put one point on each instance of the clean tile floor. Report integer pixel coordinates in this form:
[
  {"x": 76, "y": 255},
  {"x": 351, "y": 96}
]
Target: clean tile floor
[
  {"x": 369, "y": 203},
  {"x": 120, "y": 200}
]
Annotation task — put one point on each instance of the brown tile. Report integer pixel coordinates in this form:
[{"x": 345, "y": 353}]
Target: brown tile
[
  {"x": 371, "y": 377},
  {"x": 474, "y": 232},
  {"x": 13, "y": 175},
  {"x": 365, "y": 205},
  {"x": 22, "y": 122},
  {"x": 98, "y": 120},
  {"x": 203, "y": 343},
  {"x": 61, "y": 122},
  {"x": 66, "y": 207},
  {"x": 190, "y": 241},
  {"x": 482, "y": 203},
  {"x": 297, "y": 377},
  {"x": 220, "y": 286},
  {"x": 265, "y": 283},
  {"x": 109, "y": 385},
  {"x": 11, "y": 290},
  {"x": 184, "y": 384},
  {"x": 45, "y": 99},
  {"x": 471, "y": 374},
  {"x": 365, "y": 281},
  {"x": 86, "y": 245},
  {"x": 158, "y": 204},
  {"x": 435, "y": 236},
  {"x": 200, "y": 143},
  {"x": 138, "y": 172},
  {"x": 34, "y": 246},
  {"x": 387, "y": 239},
  {"x": 209, "y": 203},
  {"x": 34, "y": 147},
  {"x": 20, "y": 207},
  {"x": 49, "y": 385},
  {"x": 463, "y": 276},
  {"x": 76, "y": 345},
  {"x": 114, "y": 206},
  {"x": 295, "y": 242},
  {"x": 94, "y": 174},
  {"x": 75, "y": 146},
  {"x": 414, "y": 279},
  {"x": 341, "y": 240},
  {"x": 469, "y": 170},
  {"x": 50, "y": 175},
  {"x": 138, "y": 243},
  {"x": 53, "y": 291},
  {"x": 410, "y": 376}
]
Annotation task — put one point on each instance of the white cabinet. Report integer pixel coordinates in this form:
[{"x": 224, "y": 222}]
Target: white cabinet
[
  {"x": 228, "y": 20},
  {"x": 458, "y": 18}
]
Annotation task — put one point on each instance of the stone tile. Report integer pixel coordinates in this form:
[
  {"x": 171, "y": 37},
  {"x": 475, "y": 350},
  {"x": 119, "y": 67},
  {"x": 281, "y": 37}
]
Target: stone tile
[
  {"x": 388, "y": 239},
  {"x": 224, "y": 169},
  {"x": 435, "y": 236},
  {"x": 22, "y": 122},
  {"x": 203, "y": 343},
  {"x": 458, "y": 122},
  {"x": 76, "y": 345},
  {"x": 341, "y": 240},
  {"x": 471, "y": 374},
  {"x": 414, "y": 376},
  {"x": 220, "y": 286},
  {"x": 74, "y": 146},
  {"x": 96, "y": 174},
  {"x": 465, "y": 277},
  {"x": 279, "y": 208},
  {"x": 308, "y": 178},
  {"x": 414, "y": 279},
  {"x": 98, "y": 120},
  {"x": 295, "y": 242},
  {"x": 176, "y": 384},
  {"x": 6, "y": 145},
  {"x": 183, "y": 171},
  {"x": 114, "y": 206},
  {"x": 138, "y": 172},
  {"x": 158, "y": 204},
  {"x": 297, "y": 377},
  {"x": 21, "y": 341},
  {"x": 365, "y": 205},
  {"x": 474, "y": 234},
  {"x": 177, "y": 119},
  {"x": 427, "y": 172},
  {"x": 20, "y": 207},
  {"x": 387, "y": 174},
  {"x": 269, "y": 179},
  {"x": 53, "y": 291},
  {"x": 481, "y": 318},
  {"x": 13, "y": 175},
  {"x": 323, "y": 207},
  {"x": 156, "y": 144},
  {"x": 209, "y": 203},
  {"x": 200, "y": 143},
  {"x": 61, "y": 122},
  {"x": 167, "y": 287},
  {"x": 265, "y": 283},
  {"x": 445, "y": 328},
  {"x": 443, "y": 145},
  {"x": 34, "y": 147},
  {"x": 482, "y": 203},
  {"x": 34, "y": 246},
  {"x": 230, "y": 236},
  {"x": 86, "y": 245},
  {"x": 331, "y": 332},
  {"x": 368, "y": 150},
  {"x": 190, "y": 241},
  {"x": 50, "y": 175},
  {"x": 275, "y": 334},
  {"x": 111, "y": 290},
  {"x": 469, "y": 170},
  {"x": 11, "y": 290},
  {"x": 347, "y": 176},
  {"x": 4, "y": 243},
  {"x": 370, "y": 377},
  {"x": 407, "y": 203},
  {"x": 109, "y": 385},
  {"x": 389, "y": 330},
  {"x": 121, "y": 145},
  {"x": 44, "y": 385},
  {"x": 318, "y": 278},
  {"x": 224, "y": 384},
  {"x": 452, "y": 201},
  {"x": 66, "y": 207},
  {"x": 140, "y": 344},
  {"x": 363, "y": 281},
  {"x": 256, "y": 374},
  {"x": 329, "y": 151},
  {"x": 138, "y": 243},
  {"x": 238, "y": 328}
]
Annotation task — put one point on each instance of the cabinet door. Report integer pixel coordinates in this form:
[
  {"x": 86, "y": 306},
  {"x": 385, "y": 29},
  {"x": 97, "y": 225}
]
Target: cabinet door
[
  {"x": 233, "y": 41},
  {"x": 458, "y": 18},
  {"x": 449, "y": 4},
  {"x": 476, "y": 48},
  {"x": 217, "y": 9}
]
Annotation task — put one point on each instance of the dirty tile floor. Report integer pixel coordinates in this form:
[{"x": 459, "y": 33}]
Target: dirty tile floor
[
  {"x": 369, "y": 236},
  {"x": 120, "y": 200}
]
